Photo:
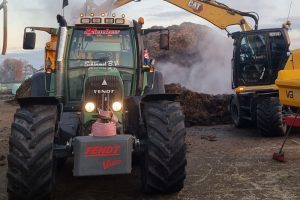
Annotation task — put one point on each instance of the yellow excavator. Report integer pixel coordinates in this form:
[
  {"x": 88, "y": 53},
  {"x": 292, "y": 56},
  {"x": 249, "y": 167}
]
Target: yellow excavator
[{"x": 258, "y": 56}]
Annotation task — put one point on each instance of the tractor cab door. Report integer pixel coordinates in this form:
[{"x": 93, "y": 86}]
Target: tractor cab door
[{"x": 258, "y": 56}]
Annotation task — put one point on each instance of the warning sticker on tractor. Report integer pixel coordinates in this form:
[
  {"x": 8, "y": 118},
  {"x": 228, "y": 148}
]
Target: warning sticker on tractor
[{"x": 94, "y": 31}]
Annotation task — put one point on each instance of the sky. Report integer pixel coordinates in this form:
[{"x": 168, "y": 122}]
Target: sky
[{"x": 22, "y": 13}]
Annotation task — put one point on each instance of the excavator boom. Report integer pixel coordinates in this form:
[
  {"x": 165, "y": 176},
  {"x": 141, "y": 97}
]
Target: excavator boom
[{"x": 216, "y": 13}]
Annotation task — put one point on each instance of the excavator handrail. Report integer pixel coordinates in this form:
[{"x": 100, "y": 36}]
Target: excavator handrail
[
  {"x": 3, "y": 6},
  {"x": 215, "y": 12}
]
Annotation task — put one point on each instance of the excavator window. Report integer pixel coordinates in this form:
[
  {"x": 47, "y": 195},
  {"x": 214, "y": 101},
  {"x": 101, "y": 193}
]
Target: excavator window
[
  {"x": 258, "y": 56},
  {"x": 253, "y": 60}
]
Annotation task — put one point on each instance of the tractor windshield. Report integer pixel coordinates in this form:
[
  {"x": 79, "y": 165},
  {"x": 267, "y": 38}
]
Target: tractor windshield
[{"x": 92, "y": 47}]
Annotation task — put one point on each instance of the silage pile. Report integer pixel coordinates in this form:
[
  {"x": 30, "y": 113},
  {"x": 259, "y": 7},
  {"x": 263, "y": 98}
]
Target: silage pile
[{"x": 202, "y": 109}]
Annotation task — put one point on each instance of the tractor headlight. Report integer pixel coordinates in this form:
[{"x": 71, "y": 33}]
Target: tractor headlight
[
  {"x": 90, "y": 107},
  {"x": 116, "y": 106}
]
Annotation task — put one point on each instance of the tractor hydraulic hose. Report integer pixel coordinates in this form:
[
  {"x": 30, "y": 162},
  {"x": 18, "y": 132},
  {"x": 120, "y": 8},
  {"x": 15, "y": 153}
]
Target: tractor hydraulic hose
[
  {"x": 59, "y": 83},
  {"x": 252, "y": 15}
]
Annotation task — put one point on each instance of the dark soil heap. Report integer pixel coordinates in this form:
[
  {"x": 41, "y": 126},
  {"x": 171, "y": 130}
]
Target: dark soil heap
[
  {"x": 202, "y": 109},
  {"x": 184, "y": 42}
]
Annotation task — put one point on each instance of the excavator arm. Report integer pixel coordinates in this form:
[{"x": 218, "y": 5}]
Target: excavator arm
[
  {"x": 216, "y": 13},
  {"x": 4, "y": 7}
]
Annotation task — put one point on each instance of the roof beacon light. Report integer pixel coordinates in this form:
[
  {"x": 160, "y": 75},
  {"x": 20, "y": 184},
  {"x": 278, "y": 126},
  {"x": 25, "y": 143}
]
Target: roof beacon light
[
  {"x": 81, "y": 15},
  {"x": 141, "y": 20},
  {"x": 103, "y": 15},
  {"x": 92, "y": 14},
  {"x": 113, "y": 15}
]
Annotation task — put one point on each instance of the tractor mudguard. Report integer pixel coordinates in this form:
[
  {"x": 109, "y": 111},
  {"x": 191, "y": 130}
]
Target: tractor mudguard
[
  {"x": 155, "y": 83},
  {"x": 27, "y": 101},
  {"x": 30, "y": 101},
  {"x": 160, "y": 97},
  {"x": 38, "y": 84}
]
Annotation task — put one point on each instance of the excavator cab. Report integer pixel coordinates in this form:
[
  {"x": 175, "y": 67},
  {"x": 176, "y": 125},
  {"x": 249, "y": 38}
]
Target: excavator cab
[{"x": 258, "y": 56}]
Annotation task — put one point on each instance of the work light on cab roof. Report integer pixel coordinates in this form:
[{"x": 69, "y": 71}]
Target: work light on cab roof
[{"x": 92, "y": 18}]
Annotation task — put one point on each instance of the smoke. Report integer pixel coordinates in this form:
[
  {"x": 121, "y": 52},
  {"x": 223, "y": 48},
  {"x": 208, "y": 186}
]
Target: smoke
[
  {"x": 92, "y": 6},
  {"x": 207, "y": 68},
  {"x": 99, "y": 7}
]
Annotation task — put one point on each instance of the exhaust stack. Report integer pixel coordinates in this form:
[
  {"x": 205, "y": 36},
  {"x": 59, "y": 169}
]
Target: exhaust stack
[{"x": 59, "y": 83}]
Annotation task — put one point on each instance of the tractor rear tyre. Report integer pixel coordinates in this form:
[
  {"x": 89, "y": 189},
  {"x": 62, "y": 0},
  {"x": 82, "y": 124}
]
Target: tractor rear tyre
[
  {"x": 269, "y": 117},
  {"x": 237, "y": 114},
  {"x": 30, "y": 161},
  {"x": 164, "y": 160}
]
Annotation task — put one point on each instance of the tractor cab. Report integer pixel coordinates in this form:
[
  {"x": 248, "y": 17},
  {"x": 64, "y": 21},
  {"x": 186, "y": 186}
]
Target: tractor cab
[
  {"x": 101, "y": 62},
  {"x": 258, "y": 56},
  {"x": 104, "y": 64}
]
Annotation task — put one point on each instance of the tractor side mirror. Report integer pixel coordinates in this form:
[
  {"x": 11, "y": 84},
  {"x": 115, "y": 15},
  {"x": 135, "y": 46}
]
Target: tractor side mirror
[
  {"x": 164, "y": 41},
  {"x": 29, "y": 40}
]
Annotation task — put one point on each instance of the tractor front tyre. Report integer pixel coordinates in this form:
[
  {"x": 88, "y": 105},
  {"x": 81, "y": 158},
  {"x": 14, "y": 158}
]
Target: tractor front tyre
[
  {"x": 164, "y": 160},
  {"x": 237, "y": 114},
  {"x": 269, "y": 117},
  {"x": 30, "y": 161}
]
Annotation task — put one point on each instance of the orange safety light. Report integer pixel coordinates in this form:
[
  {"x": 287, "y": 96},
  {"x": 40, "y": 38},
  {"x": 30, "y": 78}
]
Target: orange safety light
[{"x": 141, "y": 20}]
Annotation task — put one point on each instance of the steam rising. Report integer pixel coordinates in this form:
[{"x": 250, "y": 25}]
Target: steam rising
[
  {"x": 204, "y": 68},
  {"x": 211, "y": 75},
  {"x": 104, "y": 7},
  {"x": 210, "y": 69},
  {"x": 92, "y": 6}
]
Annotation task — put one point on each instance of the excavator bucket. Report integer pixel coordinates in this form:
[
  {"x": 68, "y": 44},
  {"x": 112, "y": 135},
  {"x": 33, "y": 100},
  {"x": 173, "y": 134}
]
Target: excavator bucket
[{"x": 3, "y": 6}]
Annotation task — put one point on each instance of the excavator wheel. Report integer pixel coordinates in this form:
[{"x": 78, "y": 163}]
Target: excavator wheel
[
  {"x": 236, "y": 114},
  {"x": 164, "y": 160},
  {"x": 269, "y": 117},
  {"x": 30, "y": 161}
]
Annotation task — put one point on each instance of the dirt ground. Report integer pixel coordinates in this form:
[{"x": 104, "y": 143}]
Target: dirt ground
[{"x": 237, "y": 165}]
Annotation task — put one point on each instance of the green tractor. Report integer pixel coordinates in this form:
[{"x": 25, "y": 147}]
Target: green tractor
[{"x": 99, "y": 103}]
